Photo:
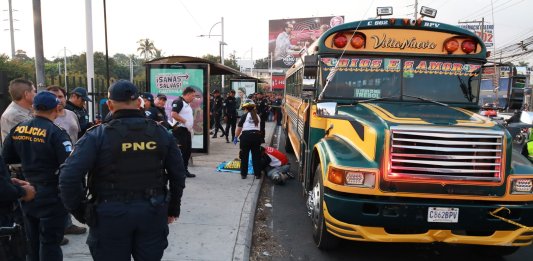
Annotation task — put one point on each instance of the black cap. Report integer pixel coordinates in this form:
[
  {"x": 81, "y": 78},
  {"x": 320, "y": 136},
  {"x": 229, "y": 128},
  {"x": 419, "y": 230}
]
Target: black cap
[
  {"x": 45, "y": 101},
  {"x": 148, "y": 96},
  {"x": 82, "y": 92},
  {"x": 123, "y": 90},
  {"x": 216, "y": 91},
  {"x": 161, "y": 96}
]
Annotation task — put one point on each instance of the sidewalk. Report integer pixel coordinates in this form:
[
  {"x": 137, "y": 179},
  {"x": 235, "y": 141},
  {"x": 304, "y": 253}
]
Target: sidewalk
[{"x": 217, "y": 212}]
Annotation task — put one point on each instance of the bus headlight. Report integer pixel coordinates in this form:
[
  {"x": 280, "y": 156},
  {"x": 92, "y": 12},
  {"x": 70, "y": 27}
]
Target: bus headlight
[
  {"x": 356, "y": 178},
  {"x": 521, "y": 186}
]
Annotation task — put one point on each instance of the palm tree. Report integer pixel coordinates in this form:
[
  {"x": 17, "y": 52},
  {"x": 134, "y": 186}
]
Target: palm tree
[{"x": 146, "y": 48}]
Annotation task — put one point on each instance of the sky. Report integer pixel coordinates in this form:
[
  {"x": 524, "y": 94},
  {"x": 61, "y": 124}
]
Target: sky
[{"x": 174, "y": 25}]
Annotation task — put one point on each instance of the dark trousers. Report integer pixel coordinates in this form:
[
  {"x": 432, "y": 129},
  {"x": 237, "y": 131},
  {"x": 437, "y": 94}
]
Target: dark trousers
[
  {"x": 184, "y": 139},
  {"x": 262, "y": 126},
  {"x": 232, "y": 122},
  {"x": 137, "y": 229},
  {"x": 278, "y": 116},
  {"x": 45, "y": 235},
  {"x": 218, "y": 125},
  {"x": 250, "y": 141}
]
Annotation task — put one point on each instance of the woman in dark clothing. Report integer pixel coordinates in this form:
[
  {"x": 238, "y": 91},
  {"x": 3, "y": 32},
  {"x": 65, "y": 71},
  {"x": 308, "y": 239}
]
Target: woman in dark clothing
[{"x": 250, "y": 136}]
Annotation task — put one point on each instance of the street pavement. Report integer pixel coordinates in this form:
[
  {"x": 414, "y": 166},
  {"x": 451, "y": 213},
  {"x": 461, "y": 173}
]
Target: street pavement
[{"x": 217, "y": 211}]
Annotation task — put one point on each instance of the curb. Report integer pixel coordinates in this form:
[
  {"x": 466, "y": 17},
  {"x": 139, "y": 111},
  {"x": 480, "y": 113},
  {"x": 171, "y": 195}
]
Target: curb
[{"x": 241, "y": 251}]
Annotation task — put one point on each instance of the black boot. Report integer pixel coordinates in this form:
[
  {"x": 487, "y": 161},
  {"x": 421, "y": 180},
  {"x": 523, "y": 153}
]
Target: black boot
[{"x": 214, "y": 135}]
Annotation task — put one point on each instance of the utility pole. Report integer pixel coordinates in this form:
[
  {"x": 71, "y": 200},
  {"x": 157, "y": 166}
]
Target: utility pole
[
  {"x": 416, "y": 9},
  {"x": 222, "y": 43},
  {"x": 11, "y": 30},
  {"x": 39, "y": 52}
]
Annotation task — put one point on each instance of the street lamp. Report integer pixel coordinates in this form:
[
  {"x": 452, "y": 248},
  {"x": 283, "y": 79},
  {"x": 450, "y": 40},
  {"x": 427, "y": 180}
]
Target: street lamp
[{"x": 221, "y": 43}]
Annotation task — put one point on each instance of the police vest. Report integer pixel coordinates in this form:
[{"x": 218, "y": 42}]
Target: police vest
[{"x": 138, "y": 151}]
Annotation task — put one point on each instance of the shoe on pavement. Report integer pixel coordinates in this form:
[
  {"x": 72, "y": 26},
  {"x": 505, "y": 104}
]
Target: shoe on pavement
[
  {"x": 214, "y": 135},
  {"x": 243, "y": 176},
  {"x": 64, "y": 241},
  {"x": 222, "y": 135},
  {"x": 189, "y": 175},
  {"x": 75, "y": 230}
]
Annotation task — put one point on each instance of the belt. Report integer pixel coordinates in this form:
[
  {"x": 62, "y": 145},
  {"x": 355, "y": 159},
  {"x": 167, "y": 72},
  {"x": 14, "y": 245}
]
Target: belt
[{"x": 251, "y": 131}]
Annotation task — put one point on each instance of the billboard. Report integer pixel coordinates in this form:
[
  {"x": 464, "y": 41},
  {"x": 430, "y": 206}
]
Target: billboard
[
  {"x": 488, "y": 32},
  {"x": 278, "y": 82},
  {"x": 171, "y": 80},
  {"x": 288, "y": 37}
]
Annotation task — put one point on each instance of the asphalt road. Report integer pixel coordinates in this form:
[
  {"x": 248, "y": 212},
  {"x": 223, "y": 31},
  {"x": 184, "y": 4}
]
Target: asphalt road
[{"x": 291, "y": 228}]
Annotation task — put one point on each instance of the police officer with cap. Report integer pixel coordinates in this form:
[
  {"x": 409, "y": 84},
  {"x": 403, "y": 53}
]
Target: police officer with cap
[
  {"x": 41, "y": 146},
  {"x": 76, "y": 103},
  {"x": 149, "y": 108},
  {"x": 129, "y": 160}
]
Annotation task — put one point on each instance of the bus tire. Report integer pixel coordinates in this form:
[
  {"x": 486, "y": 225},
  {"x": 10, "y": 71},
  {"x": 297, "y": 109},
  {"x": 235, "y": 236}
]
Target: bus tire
[
  {"x": 288, "y": 145},
  {"x": 322, "y": 238}
]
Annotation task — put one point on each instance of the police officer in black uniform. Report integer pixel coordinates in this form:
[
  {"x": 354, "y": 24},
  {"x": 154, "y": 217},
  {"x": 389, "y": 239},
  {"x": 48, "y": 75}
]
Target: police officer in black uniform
[
  {"x": 230, "y": 113},
  {"x": 217, "y": 112},
  {"x": 41, "y": 146},
  {"x": 129, "y": 161},
  {"x": 160, "y": 102},
  {"x": 12, "y": 238},
  {"x": 263, "y": 110},
  {"x": 150, "y": 110},
  {"x": 76, "y": 103}
]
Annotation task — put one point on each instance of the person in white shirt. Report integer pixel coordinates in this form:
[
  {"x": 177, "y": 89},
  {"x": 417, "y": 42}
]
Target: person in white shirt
[{"x": 248, "y": 131}]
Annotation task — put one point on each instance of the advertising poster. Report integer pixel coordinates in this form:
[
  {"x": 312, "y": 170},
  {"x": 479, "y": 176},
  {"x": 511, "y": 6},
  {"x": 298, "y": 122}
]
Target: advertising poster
[
  {"x": 243, "y": 88},
  {"x": 288, "y": 37},
  {"x": 278, "y": 82},
  {"x": 171, "y": 80},
  {"x": 488, "y": 32}
]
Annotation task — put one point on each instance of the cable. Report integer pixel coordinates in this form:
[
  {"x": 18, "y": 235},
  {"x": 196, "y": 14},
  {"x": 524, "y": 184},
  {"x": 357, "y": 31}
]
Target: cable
[{"x": 192, "y": 16}]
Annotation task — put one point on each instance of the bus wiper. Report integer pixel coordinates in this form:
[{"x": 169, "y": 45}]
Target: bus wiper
[
  {"x": 426, "y": 100},
  {"x": 466, "y": 90}
]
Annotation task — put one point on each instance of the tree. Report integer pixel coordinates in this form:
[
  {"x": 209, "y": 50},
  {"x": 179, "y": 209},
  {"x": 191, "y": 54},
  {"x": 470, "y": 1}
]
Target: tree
[
  {"x": 146, "y": 48},
  {"x": 523, "y": 64},
  {"x": 21, "y": 56},
  {"x": 263, "y": 63}
]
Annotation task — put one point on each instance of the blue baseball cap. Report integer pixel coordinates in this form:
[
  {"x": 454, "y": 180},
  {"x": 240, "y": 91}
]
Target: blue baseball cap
[
  {"x": 123, "y": 90},
  {"x": 45, "y": 101},
  {"x": 82, "y": 92}
]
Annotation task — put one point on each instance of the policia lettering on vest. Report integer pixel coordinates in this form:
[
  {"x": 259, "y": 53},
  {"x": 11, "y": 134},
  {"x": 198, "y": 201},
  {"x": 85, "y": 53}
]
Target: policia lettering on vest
[{"x": 130, "y": 160}]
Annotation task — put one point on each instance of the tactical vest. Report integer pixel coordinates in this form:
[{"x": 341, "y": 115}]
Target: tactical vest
[{"x": 136, "y": 169}]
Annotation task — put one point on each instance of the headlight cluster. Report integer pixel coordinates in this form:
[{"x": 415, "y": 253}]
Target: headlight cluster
[
  {"x": 358, "y": 178},
  {"x": 521, "y": 186}
]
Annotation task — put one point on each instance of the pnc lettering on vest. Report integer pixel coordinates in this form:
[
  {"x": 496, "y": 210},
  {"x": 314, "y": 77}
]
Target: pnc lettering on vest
[{"x": 135, "y": 146}]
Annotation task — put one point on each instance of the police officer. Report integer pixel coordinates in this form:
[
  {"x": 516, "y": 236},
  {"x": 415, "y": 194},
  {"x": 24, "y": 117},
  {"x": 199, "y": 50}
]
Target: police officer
[
  {"x": 230, "y": 113},
  {"x": 263, "y": 110},
  {"x": 149, "y": 107},
  {"x": 76, "y": 103},
  {"x": 41, "y": 146},
  {"x": 250, "y": 136},
  {"x": 12, "y": 190},
  {"x": 217, "y": 112},
  {"x": 160, "y": 102},
  {"x": 183, "y": 129},
  {"x": 129, "y": 161}
]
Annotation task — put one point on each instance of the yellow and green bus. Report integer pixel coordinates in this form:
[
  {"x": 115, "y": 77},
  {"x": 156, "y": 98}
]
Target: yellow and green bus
[{"x": 382, "y": 117}]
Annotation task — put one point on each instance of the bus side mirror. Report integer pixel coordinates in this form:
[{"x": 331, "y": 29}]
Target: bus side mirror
[
  {"x": 309, "y": 85},
  {"x": 325, "y": 109}
]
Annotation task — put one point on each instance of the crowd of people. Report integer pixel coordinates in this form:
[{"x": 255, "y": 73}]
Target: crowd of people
[
  {"x": 229, "y": 108},
  {"x": 123, "y": 176}
]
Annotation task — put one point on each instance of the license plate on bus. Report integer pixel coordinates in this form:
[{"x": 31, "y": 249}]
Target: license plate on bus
[{"x": 443, "y": 215}]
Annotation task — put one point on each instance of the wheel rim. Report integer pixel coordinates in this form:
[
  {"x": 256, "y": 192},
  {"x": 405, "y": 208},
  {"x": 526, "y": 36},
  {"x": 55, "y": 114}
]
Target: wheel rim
[{"x": 313, "y": 203}]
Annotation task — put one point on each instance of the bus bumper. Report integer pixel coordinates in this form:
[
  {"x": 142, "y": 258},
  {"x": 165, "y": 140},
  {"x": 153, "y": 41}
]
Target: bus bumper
[{"x": 406, "y": 220}]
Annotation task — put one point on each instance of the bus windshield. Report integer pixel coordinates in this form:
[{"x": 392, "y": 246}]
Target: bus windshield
[{"x": 373, "y": 78}]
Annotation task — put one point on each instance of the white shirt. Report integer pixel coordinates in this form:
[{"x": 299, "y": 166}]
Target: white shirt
[
  {"x": 249, "y": 124},
  {"x": 13, "y": 115},
  {"x": 186, "y": 113},
  {"x": 69, "y": 122}
]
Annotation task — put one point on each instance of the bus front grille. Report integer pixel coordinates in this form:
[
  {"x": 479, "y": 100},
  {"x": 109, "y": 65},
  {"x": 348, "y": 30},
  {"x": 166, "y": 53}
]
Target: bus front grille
[{"x": 448, "y": 154}]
